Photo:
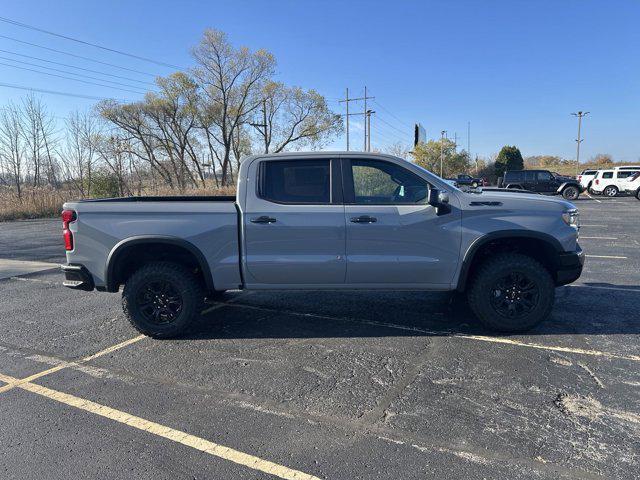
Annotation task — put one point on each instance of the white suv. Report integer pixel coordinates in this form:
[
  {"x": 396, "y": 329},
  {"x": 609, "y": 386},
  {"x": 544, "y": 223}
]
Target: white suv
[
  {"x": 610, "y": 182},
  {"x": 632, "y": 185},
  {"x": 585, "y": 178}
]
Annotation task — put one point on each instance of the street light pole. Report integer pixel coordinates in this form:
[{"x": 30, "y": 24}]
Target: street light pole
[
  {"x": 442, "y": 150},
  {"x": 580, "y": 114}
]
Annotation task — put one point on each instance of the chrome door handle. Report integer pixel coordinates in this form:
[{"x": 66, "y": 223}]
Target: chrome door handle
[
  {"x": 364, "y": 219},
  {"x": 263, "y": 219}
]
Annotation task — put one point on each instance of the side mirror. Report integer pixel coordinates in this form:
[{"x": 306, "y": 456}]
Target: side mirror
[{"x": 437, "y": 198}]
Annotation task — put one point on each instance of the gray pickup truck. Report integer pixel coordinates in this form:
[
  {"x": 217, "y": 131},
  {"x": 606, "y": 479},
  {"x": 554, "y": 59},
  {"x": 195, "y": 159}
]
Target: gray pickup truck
[{"x": 329, "y": 221}]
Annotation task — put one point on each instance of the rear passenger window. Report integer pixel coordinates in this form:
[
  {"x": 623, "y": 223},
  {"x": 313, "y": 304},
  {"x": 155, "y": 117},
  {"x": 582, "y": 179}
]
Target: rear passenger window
[
  {"x": 529, "y": 177},
  {"x": 624, "y": 174},
  {"x": 607, "y": 175},
  {"x": 296, "y": 181},
  {"x": 512, "y": 177},
  {"x": 544, "y": 176}
]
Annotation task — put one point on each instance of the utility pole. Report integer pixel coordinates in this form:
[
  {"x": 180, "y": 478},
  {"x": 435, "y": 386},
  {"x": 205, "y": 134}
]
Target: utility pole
[
  {"x": 442, "y": 133},
  {"x": 367, "y": 125},
  {"x": 455, "y": 141},
  {"x": 366, "y": 120},
  {"x": 347, "y": 100},
  {"x": 469, "y": 143},
  {"x": 580, "y": 114}
]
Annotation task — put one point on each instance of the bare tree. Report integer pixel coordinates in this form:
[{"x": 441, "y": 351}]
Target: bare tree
[
  {"x": 12, "y": 145},
  {"x": 295, "y": 118},
  {"x": 38, "y": 133},
  {"x": 79, "y": 152},
  {"x": 231, "y": 80}
]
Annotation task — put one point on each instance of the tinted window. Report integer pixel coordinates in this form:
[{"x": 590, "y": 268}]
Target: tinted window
[
  {"x": 377, "y": 182},
  {"x": 512, "y": 177},
  {"x": 543, "y": 176},
  {"x": 607, "y": 175},
  {"x": 297, "y": 181},
  {"x": 624, "y": 174},
  {"x": 589, "y": 172},
  {"x": 529, "y": 176}
]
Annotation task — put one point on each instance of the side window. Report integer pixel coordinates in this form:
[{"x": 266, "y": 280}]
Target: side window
[
  {"x": 513, "y": 177},
  {"x": 295, "y": 181},
  {"x": 544, "y": 176},
  {"x": 377, "y": 182},
  {"x": 624, "y": 173},
  {"x": 530, "y": 177},
  {"x": 607, "y": 175}
]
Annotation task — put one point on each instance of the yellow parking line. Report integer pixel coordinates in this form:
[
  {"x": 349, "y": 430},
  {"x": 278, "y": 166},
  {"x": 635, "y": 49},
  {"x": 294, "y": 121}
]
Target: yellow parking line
[
  {"x": 580, "y": 351},
  {"x": 197, "y": 443},
  {"x": 57, "y": 368}
]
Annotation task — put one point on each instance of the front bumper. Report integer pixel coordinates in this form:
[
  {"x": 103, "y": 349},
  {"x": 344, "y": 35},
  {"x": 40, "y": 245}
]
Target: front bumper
[
  {"x": 77, "y": 277},
  {"x": 569, "y": 266}
]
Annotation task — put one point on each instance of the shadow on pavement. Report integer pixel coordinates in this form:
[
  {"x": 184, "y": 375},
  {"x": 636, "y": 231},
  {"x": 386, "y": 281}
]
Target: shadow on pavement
[{"x": 578, "y": 311}]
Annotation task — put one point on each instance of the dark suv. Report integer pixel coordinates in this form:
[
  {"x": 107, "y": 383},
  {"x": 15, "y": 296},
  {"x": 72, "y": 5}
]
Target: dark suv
[{"x": 542, "y": 181}]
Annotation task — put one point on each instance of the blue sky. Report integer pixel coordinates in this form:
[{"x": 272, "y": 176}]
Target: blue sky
[{"x": 514, "y": 69}]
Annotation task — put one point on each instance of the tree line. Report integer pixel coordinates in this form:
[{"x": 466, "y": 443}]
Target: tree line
[{"x": 191, "y": 131}]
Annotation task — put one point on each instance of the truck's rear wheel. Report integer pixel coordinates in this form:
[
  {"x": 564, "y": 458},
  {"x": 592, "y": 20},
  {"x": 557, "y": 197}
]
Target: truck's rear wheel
[
  {"x": 570, "y": 193},
  {"x": 161, "y": 299},
  {"x": 511, "y": 293}
]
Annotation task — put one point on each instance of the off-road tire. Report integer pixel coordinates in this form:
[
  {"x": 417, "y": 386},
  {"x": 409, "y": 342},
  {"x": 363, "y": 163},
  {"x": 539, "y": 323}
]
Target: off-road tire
[
  {"x": 638, "y": 194},
  {"x": 570, "y": 192},
  {"x": 483, "y": 288},
  {"x": 612, "y": 189},
  {"x": 181, "y": 280}
]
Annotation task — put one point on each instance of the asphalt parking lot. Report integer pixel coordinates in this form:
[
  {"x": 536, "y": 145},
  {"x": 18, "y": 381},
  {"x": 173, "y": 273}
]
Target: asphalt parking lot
[{"x": 307, "y": 385}]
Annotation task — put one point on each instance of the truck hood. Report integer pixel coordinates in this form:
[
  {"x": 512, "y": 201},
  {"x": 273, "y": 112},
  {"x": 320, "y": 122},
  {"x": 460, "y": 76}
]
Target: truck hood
[{"x": 517, "y": 200}]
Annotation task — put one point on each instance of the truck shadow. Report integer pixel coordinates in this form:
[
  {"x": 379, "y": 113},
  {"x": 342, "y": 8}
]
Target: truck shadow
[{"x": 579, "y": 310}]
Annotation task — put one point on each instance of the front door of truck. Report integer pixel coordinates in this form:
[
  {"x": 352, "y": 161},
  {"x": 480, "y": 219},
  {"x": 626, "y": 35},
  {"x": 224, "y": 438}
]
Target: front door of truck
[
  {"x": 393, "y": 236},
  {"x": 294, "y": 232}
]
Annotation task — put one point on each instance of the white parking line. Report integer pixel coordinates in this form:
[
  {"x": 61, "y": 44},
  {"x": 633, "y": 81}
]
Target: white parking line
[
  {"x": 603, "y": 226},
  {"x": 607, "y": 256},
  {"x": 592, "y": 197},
  {"x": 598, "y": 238}
]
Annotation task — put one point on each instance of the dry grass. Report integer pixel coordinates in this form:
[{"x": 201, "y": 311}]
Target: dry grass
[{"x": 47, "y": 202}]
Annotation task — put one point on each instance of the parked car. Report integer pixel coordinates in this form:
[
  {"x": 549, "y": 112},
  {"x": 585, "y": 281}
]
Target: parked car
[
  {"x": 322, "y": 221},
  {"x": 468, "y": 180},
  {"x": 585, "y": 179},
  {"x": 632, "y": 185},
  {"x": 542, "y": 181},
  {"x": 610, "y": 182}
]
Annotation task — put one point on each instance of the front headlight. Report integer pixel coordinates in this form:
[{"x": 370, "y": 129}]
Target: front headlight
[{"x": 572, "y": 218}]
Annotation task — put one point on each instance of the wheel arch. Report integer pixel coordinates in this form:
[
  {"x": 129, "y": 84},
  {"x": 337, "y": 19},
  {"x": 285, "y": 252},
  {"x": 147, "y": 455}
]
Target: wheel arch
[
  {"x": 145, "y": 248},
  {"x": 541, "y": 246}
]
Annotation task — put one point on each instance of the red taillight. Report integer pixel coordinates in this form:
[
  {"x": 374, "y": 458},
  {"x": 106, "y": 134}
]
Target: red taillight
[
  {"x": 597, "y": 181},
  {"x": 68, "y": 216},
  {"x": 579, "y": 177}
]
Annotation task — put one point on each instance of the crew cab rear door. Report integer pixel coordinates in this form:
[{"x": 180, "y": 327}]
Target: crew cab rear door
[
  {"x": 394, "y": 238},
  {"x": 294, "y": 231}
]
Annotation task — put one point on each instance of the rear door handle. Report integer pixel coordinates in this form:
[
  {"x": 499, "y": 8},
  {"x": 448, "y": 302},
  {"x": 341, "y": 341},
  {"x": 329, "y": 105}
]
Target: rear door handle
[
  {"x": 364, "y": 219},
  {"x": 263, "y": 219}
]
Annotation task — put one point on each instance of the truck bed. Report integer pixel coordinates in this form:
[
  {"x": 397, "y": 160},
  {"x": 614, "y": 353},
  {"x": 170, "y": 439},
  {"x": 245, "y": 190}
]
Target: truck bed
[{"x": 157, "y": 198}]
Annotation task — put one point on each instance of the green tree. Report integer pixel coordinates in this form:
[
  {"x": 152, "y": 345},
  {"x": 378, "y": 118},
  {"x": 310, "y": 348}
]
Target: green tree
[
  {"x": 509, "y": 158},
  {"x": 427, "y": 155}
]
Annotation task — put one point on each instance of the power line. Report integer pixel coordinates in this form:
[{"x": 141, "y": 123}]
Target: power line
[
  {"x": 78, "y": 56},
  {"x": 70, "y": 73},
  {"x": 73, "y": 66},
  {"x": 52, "y": 92},
  {"x": 388, "y": 124},
  {"x": 70, "y": 78},
  {"x": 83, "y": 42},
  {"x": 390, "y": 113}
]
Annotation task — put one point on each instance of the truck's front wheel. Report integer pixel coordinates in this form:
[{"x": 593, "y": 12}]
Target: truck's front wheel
[
  {"x": 161, "y": 299},
  {"x": 511, "y": 293}
]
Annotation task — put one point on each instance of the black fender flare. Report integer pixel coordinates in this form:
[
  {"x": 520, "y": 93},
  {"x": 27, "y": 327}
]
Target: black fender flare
[
  {"x": 500, "y": 234},
  {"x": 120, "y": 247}
]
